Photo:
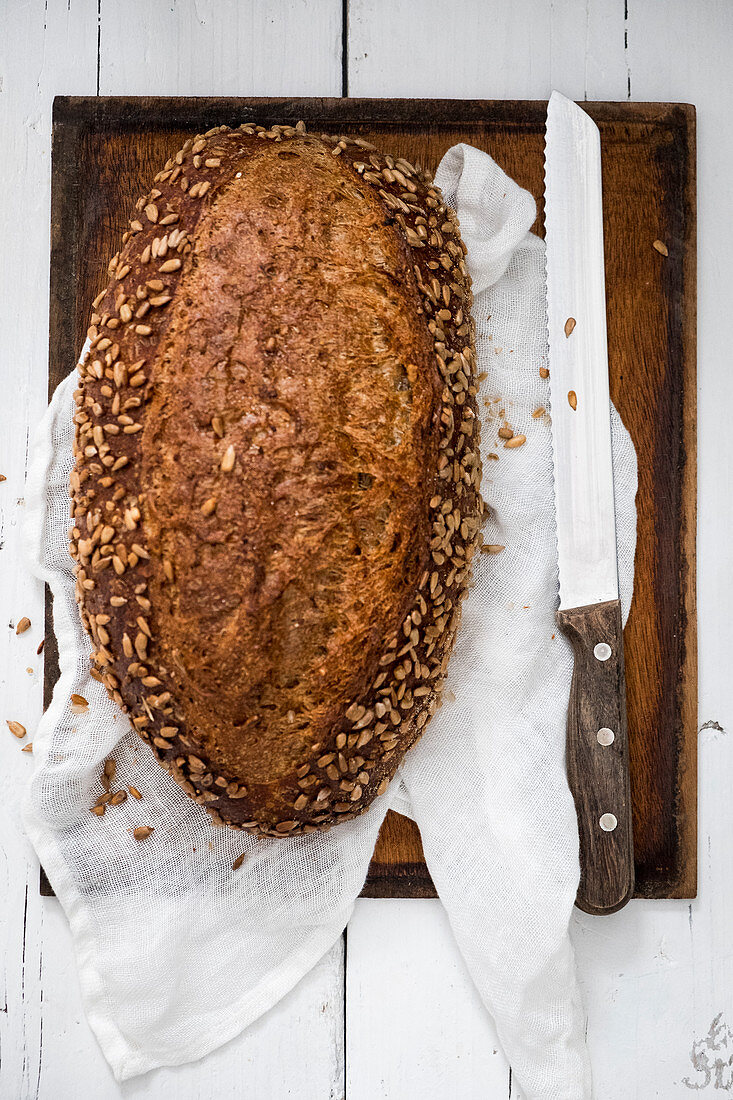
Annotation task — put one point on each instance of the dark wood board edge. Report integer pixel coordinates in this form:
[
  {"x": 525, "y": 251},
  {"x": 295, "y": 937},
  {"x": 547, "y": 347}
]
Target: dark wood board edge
[
  {"x": 45, "y": 888},
  {"x": 187, "y": 112},
  {"x": 688, "y": 683},
  {"x": 73, "y": 115},
  {"x": 406, "y": 880},
  {"x": 61, "y": 351},
  {"x": 681, "y": 882},
  {"x": 64, "y": 243}
]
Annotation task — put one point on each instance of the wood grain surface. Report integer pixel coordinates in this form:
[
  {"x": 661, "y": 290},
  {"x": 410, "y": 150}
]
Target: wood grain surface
[
  {"x": 598, "y": 756},
  {"x": 105, "y": 151}
]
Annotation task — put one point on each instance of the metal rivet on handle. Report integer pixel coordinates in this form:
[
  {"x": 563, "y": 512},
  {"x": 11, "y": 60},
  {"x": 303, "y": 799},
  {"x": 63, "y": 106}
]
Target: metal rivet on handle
[
  {"x": 608, "y": 823},
  {"x": 605, "y": 736},
  {"x": 602, "y": 651}
]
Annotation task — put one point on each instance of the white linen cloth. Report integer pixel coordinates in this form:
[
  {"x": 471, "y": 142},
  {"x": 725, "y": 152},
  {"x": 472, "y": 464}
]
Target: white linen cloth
[{"x": 177, "y": 953}]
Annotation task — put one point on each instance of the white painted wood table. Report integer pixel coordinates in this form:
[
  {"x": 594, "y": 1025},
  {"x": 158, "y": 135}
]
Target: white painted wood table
[{"x": 390, "y": 1012}]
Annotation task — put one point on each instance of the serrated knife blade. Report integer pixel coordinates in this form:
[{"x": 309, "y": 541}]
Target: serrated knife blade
[
  {"x": 590, "y": 611},
  {"x": 576, "y": 318}
]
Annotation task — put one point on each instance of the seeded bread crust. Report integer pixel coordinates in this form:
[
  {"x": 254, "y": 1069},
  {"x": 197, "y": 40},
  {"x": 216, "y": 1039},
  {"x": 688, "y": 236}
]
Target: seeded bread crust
[{"x": 276, "y": 491}]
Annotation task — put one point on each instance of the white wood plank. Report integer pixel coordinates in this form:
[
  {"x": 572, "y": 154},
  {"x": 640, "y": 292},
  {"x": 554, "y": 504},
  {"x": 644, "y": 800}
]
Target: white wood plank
[
  {"x": 71, "y": 1062},
  {"x": 220, "y": 47},
  {"x": 42, "y": 50},
  {"x": 487, "y": 50},
  {"x": 658, "y": 975},
  {"x": 587, "y": 54},
  {"x": 415, "y": 1027},
  {"x": 295, "y": 1050}
]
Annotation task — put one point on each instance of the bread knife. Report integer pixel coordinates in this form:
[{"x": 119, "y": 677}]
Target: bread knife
[{"x": 590, "y": 610}]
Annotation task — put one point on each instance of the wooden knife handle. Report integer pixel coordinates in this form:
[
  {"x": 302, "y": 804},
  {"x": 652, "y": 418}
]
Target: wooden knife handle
[{"x": 598, "y": 756}]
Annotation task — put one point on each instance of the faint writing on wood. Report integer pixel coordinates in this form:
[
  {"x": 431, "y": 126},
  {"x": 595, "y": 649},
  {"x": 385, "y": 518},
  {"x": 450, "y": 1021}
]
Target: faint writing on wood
[{"x": 712, "y": 1058}]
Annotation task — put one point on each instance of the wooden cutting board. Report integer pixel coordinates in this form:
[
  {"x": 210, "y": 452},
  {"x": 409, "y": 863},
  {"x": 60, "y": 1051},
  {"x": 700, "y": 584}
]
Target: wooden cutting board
[{"x": 106, "y": 151}]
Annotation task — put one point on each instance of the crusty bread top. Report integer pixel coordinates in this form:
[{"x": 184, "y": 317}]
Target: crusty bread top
[{"x": 276, "y": 491}]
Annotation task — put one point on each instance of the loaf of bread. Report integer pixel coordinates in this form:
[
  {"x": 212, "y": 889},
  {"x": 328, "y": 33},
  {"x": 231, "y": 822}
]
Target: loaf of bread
[{"x": 276, "y": 495}]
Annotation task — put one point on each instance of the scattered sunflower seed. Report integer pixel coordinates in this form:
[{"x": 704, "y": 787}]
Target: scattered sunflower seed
[
  {"x": 569, "y": 326},
  {"x": 572, "y": 399},
  {"x": 98, "y": 810},
  {"x": 23, "y": 625},
  {"x": 516, "y": 441},
  {"x": 142, "y": 832},
  {"x": 118, "y": 798},
  {"x": 28, "y": 747},
  {"x": 661, "y": 248},
  {"x": 492, "y": 548},
  {"x": 135, "y": 793},
  {"x": 238, "y": 862},
  {"x": 544, "y": 372},
  {"x": 78, "y": 704},
  {"x": 16, "y": 728}
]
